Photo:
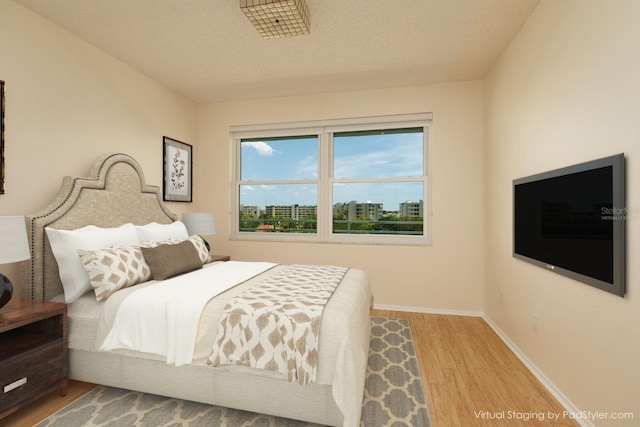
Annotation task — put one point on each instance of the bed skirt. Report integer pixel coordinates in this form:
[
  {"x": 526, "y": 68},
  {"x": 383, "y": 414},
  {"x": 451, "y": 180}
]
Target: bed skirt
[{"x": 232, "y": 387}]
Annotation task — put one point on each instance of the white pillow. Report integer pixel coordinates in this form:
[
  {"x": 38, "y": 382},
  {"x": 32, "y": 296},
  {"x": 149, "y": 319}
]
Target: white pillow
[
  {"x": 154, "y": 232},
  {"x": 66, "y": 243}
]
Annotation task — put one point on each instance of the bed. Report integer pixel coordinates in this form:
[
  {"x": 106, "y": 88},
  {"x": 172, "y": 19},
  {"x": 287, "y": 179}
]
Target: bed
[{"x": 114, "y": 193}]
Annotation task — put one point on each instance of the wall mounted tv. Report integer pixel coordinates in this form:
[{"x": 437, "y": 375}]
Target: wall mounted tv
[{"x": 572, "y": 221}]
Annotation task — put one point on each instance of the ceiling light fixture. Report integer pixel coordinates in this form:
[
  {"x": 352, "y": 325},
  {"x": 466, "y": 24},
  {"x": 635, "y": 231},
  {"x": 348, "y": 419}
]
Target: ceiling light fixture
[{"x": 277, "y": 18}]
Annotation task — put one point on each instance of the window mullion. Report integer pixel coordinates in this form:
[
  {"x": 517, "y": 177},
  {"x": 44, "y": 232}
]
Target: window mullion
[
  {"x": 274, "y": 181},
  {"x": 399, "y": 179},
  {"x": 235, "y": 186},
  {"x": 324, "y": 190}
]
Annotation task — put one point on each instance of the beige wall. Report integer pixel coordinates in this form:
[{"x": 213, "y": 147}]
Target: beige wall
[
  {"x": 67, "y": 103},
  {"x": 566, "y": 91},
  {"x": 447, "y": 275}
]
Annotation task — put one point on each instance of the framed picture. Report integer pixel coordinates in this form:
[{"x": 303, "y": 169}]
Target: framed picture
[
  {"x": 1, "y": 137},
  {"x": 177, "y": 159}
]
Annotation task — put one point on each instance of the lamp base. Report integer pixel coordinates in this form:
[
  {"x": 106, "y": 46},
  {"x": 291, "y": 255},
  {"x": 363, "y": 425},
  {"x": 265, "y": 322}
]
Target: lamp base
[
  {"x": 6, "y": 290},
  {"x": 206, "y": 244}
]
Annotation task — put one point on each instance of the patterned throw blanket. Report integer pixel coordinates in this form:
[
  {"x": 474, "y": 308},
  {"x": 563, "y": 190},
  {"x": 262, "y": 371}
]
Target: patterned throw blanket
[{"x": 275, "y": 324}]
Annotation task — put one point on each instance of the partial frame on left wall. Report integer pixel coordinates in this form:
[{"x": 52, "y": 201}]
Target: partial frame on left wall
[{"x": 2, "y": 90}]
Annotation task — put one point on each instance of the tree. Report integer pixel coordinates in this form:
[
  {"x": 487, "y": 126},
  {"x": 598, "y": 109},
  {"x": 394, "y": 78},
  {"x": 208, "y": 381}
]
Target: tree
[{"x": 247, "y": 222}]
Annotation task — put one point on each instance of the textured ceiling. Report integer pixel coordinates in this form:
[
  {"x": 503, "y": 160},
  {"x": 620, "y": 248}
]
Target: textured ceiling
[{"x": 208, "y": 50}]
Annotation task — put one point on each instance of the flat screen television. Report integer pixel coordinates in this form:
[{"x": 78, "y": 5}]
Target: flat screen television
[{"x": 572, "y": 221}]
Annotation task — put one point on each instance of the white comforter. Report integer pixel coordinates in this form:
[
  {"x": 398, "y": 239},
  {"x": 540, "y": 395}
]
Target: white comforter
[
  {"x": 163, "y": 319},
  {"x": 343, "y": 345}
]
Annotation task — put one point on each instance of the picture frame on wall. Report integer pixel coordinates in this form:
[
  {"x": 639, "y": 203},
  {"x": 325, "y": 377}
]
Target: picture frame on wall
[
  {"x": 2, "y": 88},
  {"x": 178, "y": 170}
]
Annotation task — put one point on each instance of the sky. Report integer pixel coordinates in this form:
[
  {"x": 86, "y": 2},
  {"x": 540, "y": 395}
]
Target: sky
[{"x": 355, "y": 157}]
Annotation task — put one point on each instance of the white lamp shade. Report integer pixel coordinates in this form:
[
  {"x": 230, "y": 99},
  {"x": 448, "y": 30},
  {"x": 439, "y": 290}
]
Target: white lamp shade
[
  {"x": 14, "y": 245},
  {"x": 199, "y": 223}
]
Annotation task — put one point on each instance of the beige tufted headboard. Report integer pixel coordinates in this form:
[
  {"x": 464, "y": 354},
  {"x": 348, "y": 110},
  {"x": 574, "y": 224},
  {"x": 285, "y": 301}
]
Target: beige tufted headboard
[{"x": 114, "y": 193}]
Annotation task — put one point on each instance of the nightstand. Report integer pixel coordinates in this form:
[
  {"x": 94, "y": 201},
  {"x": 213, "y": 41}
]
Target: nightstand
[
  {"x": 33, "y": 352},
  {"x": 220, "y": 258}
]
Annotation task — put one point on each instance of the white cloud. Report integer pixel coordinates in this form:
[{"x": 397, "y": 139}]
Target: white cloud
[
  {"x": 261, "y": 147},
  {"x": 385, "y": 161}
]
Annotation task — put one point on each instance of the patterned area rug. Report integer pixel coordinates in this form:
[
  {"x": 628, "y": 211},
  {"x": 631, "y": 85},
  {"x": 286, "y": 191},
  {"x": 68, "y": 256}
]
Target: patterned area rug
[{"x": 393, "y": 396}]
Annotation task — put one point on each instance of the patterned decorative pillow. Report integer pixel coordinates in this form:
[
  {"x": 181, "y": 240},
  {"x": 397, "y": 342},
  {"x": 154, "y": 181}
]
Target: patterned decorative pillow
[
  {"x": 66, "y": 243},
  {"x": 114, "y": 268},
  {"x": 201, "y": 247}
]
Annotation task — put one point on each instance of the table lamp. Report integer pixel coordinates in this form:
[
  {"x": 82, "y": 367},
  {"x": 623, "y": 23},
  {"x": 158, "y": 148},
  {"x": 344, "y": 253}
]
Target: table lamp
[
  {"x": 200, "y": 223},
  {"x": 14, "y": 247}
]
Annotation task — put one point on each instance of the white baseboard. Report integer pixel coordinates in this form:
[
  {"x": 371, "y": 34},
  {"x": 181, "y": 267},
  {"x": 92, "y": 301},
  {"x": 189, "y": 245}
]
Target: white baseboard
[
  {"x": 428, "y": 310},
  {"x": 544, "y": 380}
]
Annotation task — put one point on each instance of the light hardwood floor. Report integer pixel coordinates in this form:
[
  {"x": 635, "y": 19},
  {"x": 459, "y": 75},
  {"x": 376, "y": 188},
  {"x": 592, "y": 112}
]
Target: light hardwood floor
[{"x": 470, "y": 376}]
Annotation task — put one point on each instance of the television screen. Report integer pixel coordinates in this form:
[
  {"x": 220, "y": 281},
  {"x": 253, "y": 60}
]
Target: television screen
[{"x": 572, "y": 221}]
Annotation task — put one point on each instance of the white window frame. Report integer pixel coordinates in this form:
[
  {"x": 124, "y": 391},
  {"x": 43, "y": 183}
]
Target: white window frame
[{"x": 325, "y": 130}]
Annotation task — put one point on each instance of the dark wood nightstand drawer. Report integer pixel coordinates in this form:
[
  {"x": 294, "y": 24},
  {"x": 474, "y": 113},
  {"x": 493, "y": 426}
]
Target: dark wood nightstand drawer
[
  {"x": 33, "y": 352},
  {"x": 31, "y": 373}
]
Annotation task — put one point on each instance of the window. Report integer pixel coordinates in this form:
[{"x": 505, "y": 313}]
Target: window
[
  {"x": 278, "y": 184},
  {"x": 352, "y": 180}
]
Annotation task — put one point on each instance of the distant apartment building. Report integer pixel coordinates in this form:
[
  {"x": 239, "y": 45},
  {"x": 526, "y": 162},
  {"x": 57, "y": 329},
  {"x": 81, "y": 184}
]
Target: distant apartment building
[
  {"x": 355, "y": 209},
  {"x": 290, "y": 211},
  {"x": 307, "y": 211},
  {"x": 412, "y": 209},
  {"x": 253, "y": 211}
]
